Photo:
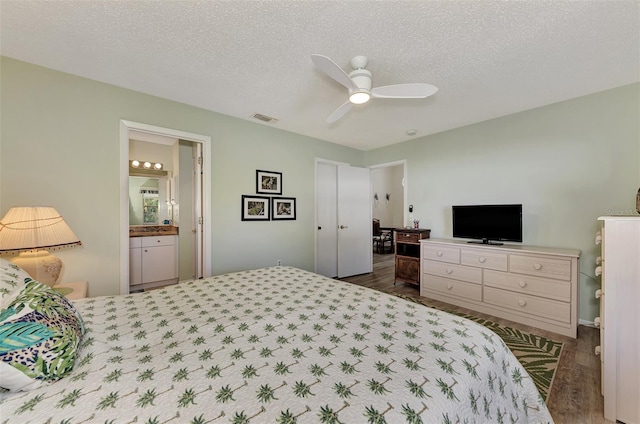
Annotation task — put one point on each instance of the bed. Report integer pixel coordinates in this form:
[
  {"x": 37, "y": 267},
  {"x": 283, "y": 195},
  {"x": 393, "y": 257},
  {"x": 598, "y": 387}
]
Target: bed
[{"x": 279, "y": 345}]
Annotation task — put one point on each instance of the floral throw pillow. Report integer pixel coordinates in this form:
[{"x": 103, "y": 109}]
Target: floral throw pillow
[
  {"x": 40, "y": 332},
  {"x": 12, "y": 279}
]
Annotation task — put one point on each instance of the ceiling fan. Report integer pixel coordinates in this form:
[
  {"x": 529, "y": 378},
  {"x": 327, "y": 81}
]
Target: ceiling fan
[{"x": 358, "y": 82}]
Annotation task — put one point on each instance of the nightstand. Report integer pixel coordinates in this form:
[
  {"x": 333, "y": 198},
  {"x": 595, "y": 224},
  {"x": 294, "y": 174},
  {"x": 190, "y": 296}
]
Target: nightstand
[{"x": 74, "y": 290}]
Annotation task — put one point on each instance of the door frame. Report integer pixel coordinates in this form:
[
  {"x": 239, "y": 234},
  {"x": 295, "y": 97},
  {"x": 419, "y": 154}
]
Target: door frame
[
  {"x": 125, "y": 127},
  {"x": 405, "y": 207}
]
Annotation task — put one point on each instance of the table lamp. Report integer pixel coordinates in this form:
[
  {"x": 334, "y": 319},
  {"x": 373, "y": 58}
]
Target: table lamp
[{"x": 30, "y": 231}]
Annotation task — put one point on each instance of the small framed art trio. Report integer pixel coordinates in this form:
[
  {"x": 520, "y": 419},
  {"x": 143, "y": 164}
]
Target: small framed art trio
[{"x": 265, "y": 208}]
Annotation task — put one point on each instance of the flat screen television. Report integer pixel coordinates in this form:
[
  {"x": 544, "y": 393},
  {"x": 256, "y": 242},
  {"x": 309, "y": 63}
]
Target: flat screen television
[{"x": 488, "y": 223}]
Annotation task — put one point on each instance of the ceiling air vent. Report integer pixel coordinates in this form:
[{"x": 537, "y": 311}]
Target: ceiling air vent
[{"x": 265, "y": 118}]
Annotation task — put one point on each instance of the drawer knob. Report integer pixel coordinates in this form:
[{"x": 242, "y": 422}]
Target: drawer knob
[
  {"x": 439, "y": 253},
  {"x": 522, "y": 284},
  {"x": 449, "y": 286},
  {"x": 482, "y": 259},
  {"x": 599, "y": 260},
  {"x": 522, "y": 302},
  {"x": 449, "y": 271},
  {"x": 598, "y": 350},
  {"x": 537, "y": 267},
  {"x": 596, "y": 322},
  {"x": 599, "y": 293},
  {"x": 598, "y": 237},
  {"x": 598, "y": 271}
]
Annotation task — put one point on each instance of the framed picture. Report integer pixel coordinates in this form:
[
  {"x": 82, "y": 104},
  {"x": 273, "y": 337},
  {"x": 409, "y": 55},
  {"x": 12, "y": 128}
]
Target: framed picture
[
  {"x": 255, "y": 208},
  {"x": 283, "y": 207},
  {"x": 268, "y": 182}
]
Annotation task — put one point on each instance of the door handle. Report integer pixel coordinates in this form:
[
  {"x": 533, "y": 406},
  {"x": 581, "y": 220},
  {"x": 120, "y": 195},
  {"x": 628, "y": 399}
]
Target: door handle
[{"x": 342, "y": 227}]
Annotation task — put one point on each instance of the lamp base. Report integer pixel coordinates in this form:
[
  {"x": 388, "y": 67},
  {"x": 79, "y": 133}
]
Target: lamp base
[{"x": 40, "y": 265}]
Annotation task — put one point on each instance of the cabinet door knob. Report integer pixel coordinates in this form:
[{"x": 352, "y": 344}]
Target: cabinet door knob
[
  {"x": 599, "y": 260},
  {"x": 598, "y": 237},
  {"x": 599, "y": 293},
  {"x": 598, "y": 271},
  {"x": 522, "y": 283},
  {"x": 482, "y": 259},
  {"x": 439, "y": 253},
  {"x": 449, "y": 286},
  {"x": 537, "y": 267},
  {"x": 596, "y": 322},
  {"x": 522, "y": 302},
  {"x": 598, "y": 350},
  {"x": 449, "y": 271}
]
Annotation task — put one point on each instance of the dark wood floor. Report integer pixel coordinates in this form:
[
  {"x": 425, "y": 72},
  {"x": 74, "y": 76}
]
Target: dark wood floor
[{"x": 575, "y": 394}]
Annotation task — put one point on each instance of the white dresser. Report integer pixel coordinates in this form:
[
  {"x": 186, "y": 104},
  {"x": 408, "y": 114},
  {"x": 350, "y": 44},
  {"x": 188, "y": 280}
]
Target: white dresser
[
  {"x": 619, "y": 318},
  {"x": 532, "y": 285}
]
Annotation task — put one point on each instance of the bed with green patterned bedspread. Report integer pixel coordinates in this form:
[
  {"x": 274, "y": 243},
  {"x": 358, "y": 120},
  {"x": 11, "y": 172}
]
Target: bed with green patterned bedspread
[{"x": 280, "y": 345}]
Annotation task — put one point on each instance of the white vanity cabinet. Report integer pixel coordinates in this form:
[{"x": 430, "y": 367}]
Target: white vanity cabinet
[
  {"x": 619, "y": 266},
  {"x": 153, "y": 261}
]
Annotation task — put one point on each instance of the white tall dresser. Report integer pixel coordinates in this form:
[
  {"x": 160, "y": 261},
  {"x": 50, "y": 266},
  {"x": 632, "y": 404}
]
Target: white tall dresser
[{"x": 619, "y": 318}]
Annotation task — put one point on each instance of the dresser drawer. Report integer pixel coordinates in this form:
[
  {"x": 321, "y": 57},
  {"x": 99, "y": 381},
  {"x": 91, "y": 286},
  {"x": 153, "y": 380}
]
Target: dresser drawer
[
  {"x": 458, "y": 272},
  {"x": 532, "y": 305},
  {"x": 559, "y": 269},
  {"x": 407, "y": 237},
  {"x": 451, "y": 287},
  {"x": 551, "y": 289},
  {"x": 158, "y": 241},
  {"x": 484, "y": 259},
  {"x": 440, "y": 253}
]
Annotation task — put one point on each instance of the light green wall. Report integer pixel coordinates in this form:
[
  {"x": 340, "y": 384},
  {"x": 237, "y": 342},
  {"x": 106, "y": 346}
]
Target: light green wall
[
  {"x": 567, "y": 163},
  {"x": 60, "y": 147}
]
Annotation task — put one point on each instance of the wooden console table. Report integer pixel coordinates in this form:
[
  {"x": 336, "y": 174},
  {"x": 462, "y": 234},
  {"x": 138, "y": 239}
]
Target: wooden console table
[{"x": 407, "y": 250}]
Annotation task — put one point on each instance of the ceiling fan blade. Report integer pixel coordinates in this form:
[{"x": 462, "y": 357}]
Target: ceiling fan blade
[
  {"x": 404, "y": 91},
  {"x": 339, "y": 113},
  {"x": 329, "y": 67}
]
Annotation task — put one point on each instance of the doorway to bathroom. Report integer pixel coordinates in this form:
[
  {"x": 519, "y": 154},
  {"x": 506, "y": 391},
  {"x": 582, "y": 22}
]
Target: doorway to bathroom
[{"x": 188, "y": 185}]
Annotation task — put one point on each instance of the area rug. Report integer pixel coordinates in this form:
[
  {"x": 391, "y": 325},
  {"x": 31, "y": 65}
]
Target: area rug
[{"x": 539, "y": 355}]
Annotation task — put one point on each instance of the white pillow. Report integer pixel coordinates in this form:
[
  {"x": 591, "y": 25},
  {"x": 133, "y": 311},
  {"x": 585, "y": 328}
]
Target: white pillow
[{"x": 12, "y": 281}]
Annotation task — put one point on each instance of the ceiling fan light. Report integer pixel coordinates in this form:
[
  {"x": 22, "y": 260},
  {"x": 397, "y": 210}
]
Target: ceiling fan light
[{"x": 359, "y": 97}]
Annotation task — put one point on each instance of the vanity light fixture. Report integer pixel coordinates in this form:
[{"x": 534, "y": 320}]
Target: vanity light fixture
[{"x": 146, "y": 165}]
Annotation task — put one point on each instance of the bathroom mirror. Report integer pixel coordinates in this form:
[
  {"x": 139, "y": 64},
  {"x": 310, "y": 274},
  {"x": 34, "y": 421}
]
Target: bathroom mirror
[{"x": 148, "y": 201}]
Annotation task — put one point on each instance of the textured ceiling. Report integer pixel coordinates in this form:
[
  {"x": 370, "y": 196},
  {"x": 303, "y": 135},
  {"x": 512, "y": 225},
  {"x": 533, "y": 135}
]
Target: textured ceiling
[{"x": 488, "y": 58}]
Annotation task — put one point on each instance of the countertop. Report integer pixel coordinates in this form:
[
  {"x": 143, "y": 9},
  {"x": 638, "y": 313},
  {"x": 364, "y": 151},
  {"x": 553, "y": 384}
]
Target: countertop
[{"x": 152, "y": 230}]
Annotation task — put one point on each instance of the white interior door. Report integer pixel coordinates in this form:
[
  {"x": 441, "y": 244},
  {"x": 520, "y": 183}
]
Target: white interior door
[
  {"x": 326, "y": 219},
  {"x": 198, "y": 212},
  {"x": 354, "y": 221}
]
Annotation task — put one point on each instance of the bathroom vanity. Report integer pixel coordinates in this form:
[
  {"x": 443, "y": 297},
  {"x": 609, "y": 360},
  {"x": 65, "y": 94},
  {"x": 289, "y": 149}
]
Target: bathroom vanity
[{"x": 153, "y": 256}]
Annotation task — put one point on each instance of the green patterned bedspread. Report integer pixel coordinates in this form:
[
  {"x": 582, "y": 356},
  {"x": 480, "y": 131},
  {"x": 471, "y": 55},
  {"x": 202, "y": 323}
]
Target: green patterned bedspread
[{"x": 280, "y": 345}]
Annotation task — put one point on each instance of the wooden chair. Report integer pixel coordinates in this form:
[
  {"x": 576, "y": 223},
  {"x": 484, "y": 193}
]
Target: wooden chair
[{"x": 380, "y": 238}]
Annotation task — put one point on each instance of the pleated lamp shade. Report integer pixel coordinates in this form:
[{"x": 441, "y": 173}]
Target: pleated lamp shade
[{"x": 32, "y": 230}]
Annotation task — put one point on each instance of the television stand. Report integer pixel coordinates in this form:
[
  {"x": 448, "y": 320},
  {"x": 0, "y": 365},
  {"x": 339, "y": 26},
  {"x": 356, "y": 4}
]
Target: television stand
[
  {"x": 536, "y": 286},
  {"x": 486, "y": 241}
]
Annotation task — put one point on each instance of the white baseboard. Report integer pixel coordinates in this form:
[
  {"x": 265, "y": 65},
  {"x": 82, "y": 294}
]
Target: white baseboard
[{"x": 587, "y": 323}]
